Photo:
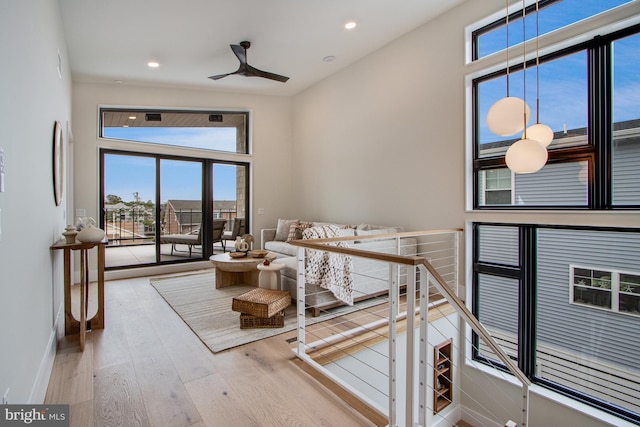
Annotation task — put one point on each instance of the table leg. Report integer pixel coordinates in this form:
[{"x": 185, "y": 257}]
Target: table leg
[
  {"x": 84, "y": 283},
  {"x": 98, "y": 321},
  {"x": 69, "y": 321}
]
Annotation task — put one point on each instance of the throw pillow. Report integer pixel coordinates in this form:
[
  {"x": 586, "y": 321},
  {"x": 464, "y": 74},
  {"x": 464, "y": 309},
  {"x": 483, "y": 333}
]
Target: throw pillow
[
  {"x": 295, "y": 232},
  {"x": 282, "y": 230}
]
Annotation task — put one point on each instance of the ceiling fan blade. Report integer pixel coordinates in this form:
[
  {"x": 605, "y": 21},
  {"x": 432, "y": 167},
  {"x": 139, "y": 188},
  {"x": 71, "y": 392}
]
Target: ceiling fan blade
[
  {"x": 219, "y": 76},
  {"x": 247, "y": 70},
  {"x": 240, "y": 53},
  {"x": 254, "y": 72}
]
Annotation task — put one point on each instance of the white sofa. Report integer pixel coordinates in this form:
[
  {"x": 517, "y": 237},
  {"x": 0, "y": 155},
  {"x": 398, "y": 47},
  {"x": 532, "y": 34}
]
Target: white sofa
[{"x": 370, "y": 277}]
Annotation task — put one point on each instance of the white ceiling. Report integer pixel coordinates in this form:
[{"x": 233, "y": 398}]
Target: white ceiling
[{"x": 111, "y": 40}]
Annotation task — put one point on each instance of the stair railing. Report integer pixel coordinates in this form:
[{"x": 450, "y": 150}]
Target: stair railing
[{"x": 429, "y": 275}]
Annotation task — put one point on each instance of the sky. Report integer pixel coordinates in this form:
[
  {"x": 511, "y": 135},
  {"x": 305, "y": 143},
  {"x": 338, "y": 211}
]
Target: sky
[
  {"x": 563, "y": 81},
  {"x": 126, "y": 175}
]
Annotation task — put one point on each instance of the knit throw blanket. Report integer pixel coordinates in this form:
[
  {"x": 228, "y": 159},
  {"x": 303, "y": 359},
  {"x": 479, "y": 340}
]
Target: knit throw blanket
[{"x": 329, "y": 270}]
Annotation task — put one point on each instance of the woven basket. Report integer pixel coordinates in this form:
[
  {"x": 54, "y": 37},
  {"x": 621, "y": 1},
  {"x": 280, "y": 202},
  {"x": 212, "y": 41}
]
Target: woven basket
[
  {"x": 260, "y": 302},
  {"x": 248, "y": 322}
]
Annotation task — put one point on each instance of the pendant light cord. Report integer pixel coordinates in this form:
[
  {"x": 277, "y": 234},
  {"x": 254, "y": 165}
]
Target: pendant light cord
[
  {"x": 537, "y": 68},
  {"x": 524, "y": 72},
  {"x": 506, "y": 5}
]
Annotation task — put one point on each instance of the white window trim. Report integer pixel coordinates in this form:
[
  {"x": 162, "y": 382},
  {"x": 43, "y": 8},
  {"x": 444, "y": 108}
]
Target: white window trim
[
  {"x": 482, "y": 197},
  {"x": 615, "y": 288}
]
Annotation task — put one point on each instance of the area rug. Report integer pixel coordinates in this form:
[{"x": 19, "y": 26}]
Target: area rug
[{"x": 207, "y": 310}]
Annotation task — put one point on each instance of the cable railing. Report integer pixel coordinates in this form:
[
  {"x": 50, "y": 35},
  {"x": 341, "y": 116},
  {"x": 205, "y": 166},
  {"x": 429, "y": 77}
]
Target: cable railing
[{"x": 401, "y": 351}]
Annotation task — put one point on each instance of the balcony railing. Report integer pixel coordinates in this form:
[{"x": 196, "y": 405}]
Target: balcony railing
[{"x": 137, "y": 226}]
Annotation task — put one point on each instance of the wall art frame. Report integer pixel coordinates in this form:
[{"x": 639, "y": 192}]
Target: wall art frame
[{"x": 58, "y": 163}]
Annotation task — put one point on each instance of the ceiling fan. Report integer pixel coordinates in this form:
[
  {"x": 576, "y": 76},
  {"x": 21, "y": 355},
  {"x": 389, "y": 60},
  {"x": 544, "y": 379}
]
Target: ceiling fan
[{"x": 246, "y": 69}]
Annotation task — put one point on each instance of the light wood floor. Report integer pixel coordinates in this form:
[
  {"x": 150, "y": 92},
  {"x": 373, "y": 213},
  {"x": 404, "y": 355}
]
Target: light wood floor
[{"x": 146, "y": 368}]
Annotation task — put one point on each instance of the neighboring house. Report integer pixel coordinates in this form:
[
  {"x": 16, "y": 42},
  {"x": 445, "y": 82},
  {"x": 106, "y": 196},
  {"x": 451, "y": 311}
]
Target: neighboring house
[
  {"x": 182, "y": 216},
  {"x": 584, "y": 294},
  {"x": 185, "y": 216},
  {"x": 503, "y": 187}
]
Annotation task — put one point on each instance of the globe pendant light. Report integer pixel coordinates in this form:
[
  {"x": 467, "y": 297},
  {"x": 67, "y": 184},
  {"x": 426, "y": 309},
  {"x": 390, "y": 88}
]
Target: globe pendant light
[
  {"x": 539, "y": 132},
  {"x": 526, "y": 155},
  {"x": 503, "y": 118}
]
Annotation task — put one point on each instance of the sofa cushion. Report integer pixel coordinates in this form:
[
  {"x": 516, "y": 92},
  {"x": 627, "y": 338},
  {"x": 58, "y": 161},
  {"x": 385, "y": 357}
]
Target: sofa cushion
[
  {"x": 282, "y": 248},
  {"x": 282, "y": 230}
]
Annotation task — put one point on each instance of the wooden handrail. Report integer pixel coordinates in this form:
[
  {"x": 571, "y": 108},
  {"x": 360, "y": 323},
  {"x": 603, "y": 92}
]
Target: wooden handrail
[
  {"x": 321, "y": 245},
  {"x": 440, "y": 283}
]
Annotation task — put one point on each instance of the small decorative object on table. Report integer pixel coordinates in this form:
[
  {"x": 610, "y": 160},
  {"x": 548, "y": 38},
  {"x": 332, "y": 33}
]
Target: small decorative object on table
[
  {"x": 266, "y": 262},
  {"x": 70, "y": 234},
  {"x": 241, "y": 245},
  {"x": 258, "y": 253},
  {"x": 91, "y": 234},
  {"x": 249, "y": 239}
]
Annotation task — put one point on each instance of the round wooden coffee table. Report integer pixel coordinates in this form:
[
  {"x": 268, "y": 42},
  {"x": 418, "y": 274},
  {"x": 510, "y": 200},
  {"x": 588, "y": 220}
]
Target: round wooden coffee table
[{"x": 237, "y": 271}]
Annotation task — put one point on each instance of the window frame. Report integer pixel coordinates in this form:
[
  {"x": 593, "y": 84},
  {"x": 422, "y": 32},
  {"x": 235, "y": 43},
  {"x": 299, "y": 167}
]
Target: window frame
[
  {"x": 599, "y": 148},
  {"x": 526, "y": 274},
  {"x": 157, "y": 110}
]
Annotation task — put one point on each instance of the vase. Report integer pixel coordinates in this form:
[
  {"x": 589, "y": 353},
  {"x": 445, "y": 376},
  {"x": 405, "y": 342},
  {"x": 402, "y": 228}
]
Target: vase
[
  {"x": 70, "y": 234},
  {"x": 90, "y": 234}
]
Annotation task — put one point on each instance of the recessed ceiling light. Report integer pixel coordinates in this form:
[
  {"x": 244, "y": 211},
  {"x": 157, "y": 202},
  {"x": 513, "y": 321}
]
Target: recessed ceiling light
[
  {"x": 329, "y": 58},
  {"x": 125, "y": 126},
  {"x": 350, "y": 25},
  {"x": 153, "y": 64},
  {"x": 118, "y": 81},
  {"x": 132, "y": 117}
]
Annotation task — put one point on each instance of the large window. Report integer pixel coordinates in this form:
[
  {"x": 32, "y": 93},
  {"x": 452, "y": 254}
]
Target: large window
[
  {"x": 589, "y": 94},
  {"x": 210, "y": 130},
  {"x": 554, "y": 14},
  {"x": 158, "y": 207},
  {"x": 563, "y": 301}
]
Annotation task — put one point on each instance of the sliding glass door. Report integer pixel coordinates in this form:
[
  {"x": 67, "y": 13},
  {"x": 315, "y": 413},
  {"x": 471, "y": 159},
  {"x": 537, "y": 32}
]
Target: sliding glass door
[
  {"x": 181, "y": 212},
  {"x": 161, "y": 209}
]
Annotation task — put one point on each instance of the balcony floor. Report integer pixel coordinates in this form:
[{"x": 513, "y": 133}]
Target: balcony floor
[{"x": 127, "y": 255}]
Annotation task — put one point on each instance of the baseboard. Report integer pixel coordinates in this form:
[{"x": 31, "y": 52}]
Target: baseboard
[
  {"x": 41, "y": 383},
  {"x": 446, "y": 418}
]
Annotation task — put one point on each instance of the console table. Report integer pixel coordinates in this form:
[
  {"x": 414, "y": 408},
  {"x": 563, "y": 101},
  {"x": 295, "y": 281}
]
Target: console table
[{"x": 71, "y": 325}]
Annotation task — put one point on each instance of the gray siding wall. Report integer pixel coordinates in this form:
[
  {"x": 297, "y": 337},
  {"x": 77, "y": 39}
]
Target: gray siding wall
[
  {"x": 626, "y": 182},
  {"x": 611, "y": 337},
  {"x": 553, "y": 185},
  {"x": 608, "y": 336},
  {"x": 499, "y": 304},
  {"x": 499, "y": 244}
]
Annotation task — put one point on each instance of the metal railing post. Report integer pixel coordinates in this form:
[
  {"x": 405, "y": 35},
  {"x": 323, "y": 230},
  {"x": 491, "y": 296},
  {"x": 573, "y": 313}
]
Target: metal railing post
[
  {"x": 393, "y": 316},
  {"x": 424, "y": 335},
  {"x": 300, "y": 301},
  {"x": 411, "y": 349}
]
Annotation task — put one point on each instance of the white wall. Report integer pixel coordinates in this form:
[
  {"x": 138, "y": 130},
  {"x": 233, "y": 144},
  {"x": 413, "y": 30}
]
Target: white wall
[
  {"x": 33, "y": 97},
  {"x": 383, "y": 141},
  {"x": 384, "y": 138},
  {"x": 271, "y": 175}
]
